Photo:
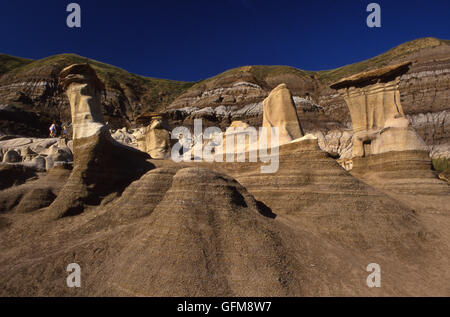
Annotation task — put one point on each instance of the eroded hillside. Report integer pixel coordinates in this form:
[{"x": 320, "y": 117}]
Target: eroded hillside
[{"x": 30, "y": 99}]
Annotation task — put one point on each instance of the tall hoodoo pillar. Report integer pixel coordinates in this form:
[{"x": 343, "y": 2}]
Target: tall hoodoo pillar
[
  {"x": 101, "y": 165},
  {"x": 280, "y": 111},
  {"x": 379, "y": 123}
]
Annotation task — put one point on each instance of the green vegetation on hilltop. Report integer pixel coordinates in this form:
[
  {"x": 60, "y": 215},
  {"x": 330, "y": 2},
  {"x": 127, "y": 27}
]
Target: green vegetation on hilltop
[
  {"x": 8, "y": 63},
  {"x": 110, "y": 74},
  {"x": 156, "y": 94},
  {"x": 261, "y": 72},
  {"x": 380, "y": 60},
  {"x": 442, "y": 166},
  {"x": 152, "y": 92}
]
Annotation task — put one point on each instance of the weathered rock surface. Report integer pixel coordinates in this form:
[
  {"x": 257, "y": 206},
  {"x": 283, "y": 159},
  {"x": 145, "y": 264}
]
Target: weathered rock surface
[
  {"x": 15, "y": 119},
  {"x": 11, "y": 156},
  {"x": 238, "y": 94},
  {"x": 434, "y": 129},
  {"x": 154, "y": 138},
  {"x": 279, "y": 111},
  {"x": 407, "y": 177},
  {"x": 30, "y": 99},
  {"x": 14, "y": 174},
  {"x": 387, "y": 153},
  {"x": 30, "y": 191},
  {"x": 35, "y": 199},
  {"x": 338, "y": 143},
  {"x": 101, "y": 165},
  {"x": 29, "y": 95},
  {"x": 124, "y": 137},
  {"x": 38, "y": 154},
  {"x": 219, "y": 229},
  {"x": 183, "y": 229},
  {"x": 160, "y": 228}
]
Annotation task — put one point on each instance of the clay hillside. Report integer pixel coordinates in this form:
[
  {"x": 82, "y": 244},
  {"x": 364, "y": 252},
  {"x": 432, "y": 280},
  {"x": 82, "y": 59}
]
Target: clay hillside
[
  {"x": 30, "y": 99},
  {"x": 349, "y": 173}
]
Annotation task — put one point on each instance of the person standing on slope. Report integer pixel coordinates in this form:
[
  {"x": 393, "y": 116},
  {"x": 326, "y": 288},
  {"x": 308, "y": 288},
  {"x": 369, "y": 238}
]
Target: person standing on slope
[
  {"x": 64, "y": 133},
  {"x": 53, "y": 130}
]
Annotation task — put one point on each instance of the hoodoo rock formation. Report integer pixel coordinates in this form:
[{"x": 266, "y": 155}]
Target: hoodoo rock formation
[
  {"x": 155, "y": 136},
  {"x": 237, "y": 94},
  {"x": 279, "y": 111},
  {"x": 30, "y": 100},
  {"x": 101, "y": 165},
  {"x": 240, "y": 138},
  {"x": 142, "y": 226},
  {"x": 238, "y": 134},
  {"x": 379, "y": 123},
  {"x": 387, "y": 152}
]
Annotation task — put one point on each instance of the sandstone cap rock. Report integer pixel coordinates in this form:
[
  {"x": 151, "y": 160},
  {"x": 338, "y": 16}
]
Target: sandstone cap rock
[
  {"x": 147, "y": 117},
  {"x": 79, "y": 73},
  {"x": 372, "y": 76}
]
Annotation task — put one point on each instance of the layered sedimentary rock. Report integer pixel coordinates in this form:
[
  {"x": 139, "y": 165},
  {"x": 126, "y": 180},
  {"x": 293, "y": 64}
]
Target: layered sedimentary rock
[
  {"x": 307, "y": 179},
  {"x": 15, "y": 174},
  {"x": 191, "y": 229},
  {"x": 29, "y": 191},
  {"x": 406, "y": 176},
  {"x": 204, "y": 233},
  {"x": 379, "y": 123},
  {"x": 223, "y": 113},
  {"x": 310, "y": 190},
  {"x": 30, "y": 98},
  {"x": 225, "y": 229},
  {"x": 181, "y": 230},
  {"x": 434, "y": 129},
  {"x": 337, "y": 142},
  {"x": 280, "y": 125},
  {"x": 145, "y": 193},
  {"x": 101, "y": 165},
  {"x": 238, "y": 95},
  {"x": 387, "y": 152},
  {"x": 279, "y": 112},
  {"x": 223, "y": 246},
  {"x": 424, "y": 91}
]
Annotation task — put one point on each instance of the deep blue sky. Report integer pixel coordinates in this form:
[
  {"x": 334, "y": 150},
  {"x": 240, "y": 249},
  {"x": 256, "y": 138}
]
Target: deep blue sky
[{"x": 195, "y": 39}]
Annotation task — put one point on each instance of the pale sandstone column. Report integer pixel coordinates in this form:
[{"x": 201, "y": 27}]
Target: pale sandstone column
[
  {"x": 379, "y": 108},
  {"x": 280, "y": 111},
  {"x": 157, "y": 139}
]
